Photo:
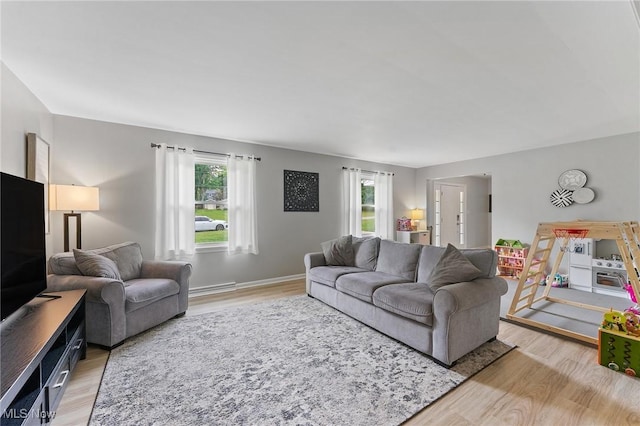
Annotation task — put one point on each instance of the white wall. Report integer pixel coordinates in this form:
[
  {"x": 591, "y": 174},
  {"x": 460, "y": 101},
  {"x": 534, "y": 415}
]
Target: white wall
[
  {"x": 22, "y": 113},
  {"x": 522, "y": 183},
  {"x": 118, "y": 159}
]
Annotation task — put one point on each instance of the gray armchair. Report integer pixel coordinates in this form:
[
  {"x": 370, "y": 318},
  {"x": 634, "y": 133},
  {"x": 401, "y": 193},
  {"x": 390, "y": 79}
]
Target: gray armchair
[{"x": 148, "y": 293}]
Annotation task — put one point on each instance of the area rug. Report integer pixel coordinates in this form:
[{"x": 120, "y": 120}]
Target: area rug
[{"x": 289, "y": 361}]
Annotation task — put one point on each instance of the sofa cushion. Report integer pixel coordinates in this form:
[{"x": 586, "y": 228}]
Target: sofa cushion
[
  {"x": 338, "y": 252},
  {"x": 486, "y": 260},
  {"x": 128, "y": 257},
  {"x": 365, "y": 251},
  {"x": 96, "y": 265},
  {"x": 328, "y": 275},
  {"x": 145, "y": 291},
  {"x": 363, "y": 284},
  {"x": 399, "y": 259},
  {"x": 452, "y": 267},
  {"x": 63, "y": 264},
  {"x": 409, "y": 300}
]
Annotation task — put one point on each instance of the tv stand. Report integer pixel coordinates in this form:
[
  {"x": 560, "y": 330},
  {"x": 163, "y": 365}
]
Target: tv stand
[
  {"x": 41, "y": 344},
  {"x": 49, "y": 296}
]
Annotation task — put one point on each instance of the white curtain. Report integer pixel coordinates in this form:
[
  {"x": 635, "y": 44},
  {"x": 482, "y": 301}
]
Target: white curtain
[
  {"x": 352, "y": 202},
  {"x": 243, "y": 221},
  {"x": 384, "y": 205},
  {"x": 175, "y": 209}
]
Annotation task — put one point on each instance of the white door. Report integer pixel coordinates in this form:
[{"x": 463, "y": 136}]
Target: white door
[{"x": 450, "y": 214}]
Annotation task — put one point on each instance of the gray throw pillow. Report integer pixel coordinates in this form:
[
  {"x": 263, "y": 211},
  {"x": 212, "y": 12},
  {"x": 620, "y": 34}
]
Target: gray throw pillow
[
  {"x": 96, "y": 265},
  {"x": 453, "y": 267},
  {"x": 338, "y": 252},
  {"x": 365, "y": 252}
]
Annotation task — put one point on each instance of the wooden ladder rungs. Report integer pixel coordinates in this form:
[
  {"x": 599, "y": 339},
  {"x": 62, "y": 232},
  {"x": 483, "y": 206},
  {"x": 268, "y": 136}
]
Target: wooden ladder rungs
[{"x": 524, "y": 298}]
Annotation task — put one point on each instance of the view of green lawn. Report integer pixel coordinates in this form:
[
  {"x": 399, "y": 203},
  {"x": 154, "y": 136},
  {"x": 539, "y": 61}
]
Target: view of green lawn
[
  {"x": 212, "y": 236},
  {"x": 368, "y": 219},
  {"x": 368, "y": 225}
]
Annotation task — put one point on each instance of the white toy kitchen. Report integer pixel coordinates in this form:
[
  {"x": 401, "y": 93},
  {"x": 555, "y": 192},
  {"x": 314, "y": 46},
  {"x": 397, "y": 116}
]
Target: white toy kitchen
[{"x": 596, "y": 266}]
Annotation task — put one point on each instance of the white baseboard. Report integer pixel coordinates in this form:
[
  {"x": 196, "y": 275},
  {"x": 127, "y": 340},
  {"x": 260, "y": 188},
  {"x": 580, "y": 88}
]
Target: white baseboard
[{"x": 232, "y": 286}]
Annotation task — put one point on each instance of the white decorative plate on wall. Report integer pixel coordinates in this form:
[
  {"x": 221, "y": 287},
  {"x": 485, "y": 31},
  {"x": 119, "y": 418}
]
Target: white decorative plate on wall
[
  {"x": 583, "y": 195},
  {"x": 561, "y": 198},
  {"x": 572, "y": 179}
]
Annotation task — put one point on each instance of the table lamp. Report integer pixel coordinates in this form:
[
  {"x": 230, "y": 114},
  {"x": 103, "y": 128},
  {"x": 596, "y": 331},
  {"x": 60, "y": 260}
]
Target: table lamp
[
  {"x": 416, "y": 216},
  {"x": 74, "y": 198}
]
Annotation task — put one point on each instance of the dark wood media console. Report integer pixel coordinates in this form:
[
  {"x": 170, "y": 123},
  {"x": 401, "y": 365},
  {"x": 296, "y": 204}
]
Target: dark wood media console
[{"x": 41, "y": 344}]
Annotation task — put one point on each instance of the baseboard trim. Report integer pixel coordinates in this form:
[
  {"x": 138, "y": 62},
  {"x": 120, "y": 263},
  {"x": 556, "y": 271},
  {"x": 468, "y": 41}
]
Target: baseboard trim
[{"x": 232, "y": 286}]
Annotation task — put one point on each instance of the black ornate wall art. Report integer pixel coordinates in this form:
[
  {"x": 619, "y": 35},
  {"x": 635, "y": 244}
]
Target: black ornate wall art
[{"x": 301, "y": 191}]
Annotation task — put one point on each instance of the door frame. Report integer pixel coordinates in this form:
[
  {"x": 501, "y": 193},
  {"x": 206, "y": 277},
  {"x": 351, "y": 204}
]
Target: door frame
[{"x": 437, "y": 187}]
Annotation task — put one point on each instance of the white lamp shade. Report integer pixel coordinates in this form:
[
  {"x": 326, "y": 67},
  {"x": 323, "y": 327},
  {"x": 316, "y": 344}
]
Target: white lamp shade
[
  {"x": 74, "y": 198},
  {"x": 417, "y": 214}
]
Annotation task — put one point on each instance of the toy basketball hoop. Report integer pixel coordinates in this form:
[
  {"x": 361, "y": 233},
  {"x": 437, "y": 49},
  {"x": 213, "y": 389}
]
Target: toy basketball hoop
[{"x": 569, "y": 234}]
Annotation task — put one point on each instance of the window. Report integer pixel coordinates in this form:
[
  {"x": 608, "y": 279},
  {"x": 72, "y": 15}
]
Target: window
[
  {"x": 368, "y": 191},
  {"x": 211, "y": 208}
]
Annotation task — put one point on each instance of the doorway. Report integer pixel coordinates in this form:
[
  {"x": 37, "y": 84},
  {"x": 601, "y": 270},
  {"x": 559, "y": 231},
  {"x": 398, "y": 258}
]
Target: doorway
[
  {"x": 474, "y": 208},
  {"x": 450, "y": 211}
]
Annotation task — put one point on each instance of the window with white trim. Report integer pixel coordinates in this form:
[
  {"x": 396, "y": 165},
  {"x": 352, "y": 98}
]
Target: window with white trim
[
  {"x": 211, "y": 207},
  {"x": 368, "y": 191}
]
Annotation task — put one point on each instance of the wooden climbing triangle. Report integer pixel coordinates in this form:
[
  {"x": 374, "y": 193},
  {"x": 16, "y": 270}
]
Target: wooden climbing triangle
[{"x": 627, "y": 237}]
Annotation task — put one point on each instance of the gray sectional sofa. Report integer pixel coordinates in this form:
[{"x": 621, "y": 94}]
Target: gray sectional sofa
[{"x": 442, "y": 302}]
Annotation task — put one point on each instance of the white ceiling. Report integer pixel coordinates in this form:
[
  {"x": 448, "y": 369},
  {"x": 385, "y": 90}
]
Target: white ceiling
[{"x": 406, "y": 83}]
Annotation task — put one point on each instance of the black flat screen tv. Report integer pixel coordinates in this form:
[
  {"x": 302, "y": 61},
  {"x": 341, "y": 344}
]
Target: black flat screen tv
[{"x": 22, "y": 250}]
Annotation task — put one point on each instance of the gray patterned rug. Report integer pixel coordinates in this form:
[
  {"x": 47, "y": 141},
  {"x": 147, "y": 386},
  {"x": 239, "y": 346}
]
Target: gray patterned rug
[{"x": 289, "y": 361}]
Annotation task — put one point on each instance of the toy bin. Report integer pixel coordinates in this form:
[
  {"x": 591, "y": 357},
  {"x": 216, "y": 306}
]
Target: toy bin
[{"x": 619, "y": 351}]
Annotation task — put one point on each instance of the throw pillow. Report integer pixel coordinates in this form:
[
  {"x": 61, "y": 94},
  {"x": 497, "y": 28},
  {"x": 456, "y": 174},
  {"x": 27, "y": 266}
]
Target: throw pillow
[
  {"x": 96, "y": 265},
  {"x": 365, "y": 252},
  {"x": 453, "y": 267},
  {"x": 338, "y": 252}
]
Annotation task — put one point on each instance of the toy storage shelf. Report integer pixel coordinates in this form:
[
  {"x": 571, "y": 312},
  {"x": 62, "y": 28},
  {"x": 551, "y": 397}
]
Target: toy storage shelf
[{"x": 512, "y": 255}]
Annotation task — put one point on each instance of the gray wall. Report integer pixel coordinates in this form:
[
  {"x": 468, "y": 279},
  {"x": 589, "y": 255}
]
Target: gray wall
[
  {"x": 522, "y": 183},
  {"x": 22, "y": 113},
  {"x": 118, "y": 159}
]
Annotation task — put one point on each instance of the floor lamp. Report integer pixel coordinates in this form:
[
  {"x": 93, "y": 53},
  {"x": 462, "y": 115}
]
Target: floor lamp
[{"x": 74, "y": 198}]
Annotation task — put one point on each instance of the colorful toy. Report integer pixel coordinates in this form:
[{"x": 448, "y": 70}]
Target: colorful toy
[
  {"x": 632, "y": 323},
  {"x": 614, "y": 320},
  {"x": 632, "y": 294},
  {"x": 559, "y": 280}
]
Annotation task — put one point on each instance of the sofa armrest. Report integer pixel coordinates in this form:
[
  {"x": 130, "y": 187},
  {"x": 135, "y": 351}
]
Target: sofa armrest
[
  {"x": 466, "y": 314},
  {"x": 105, "y": 306},
  {"x": 99, "y": 290},
  {"x": 311, "y": 260},
  {"x": 466, "y": 295},
  {"x": 180, "y": 272}
]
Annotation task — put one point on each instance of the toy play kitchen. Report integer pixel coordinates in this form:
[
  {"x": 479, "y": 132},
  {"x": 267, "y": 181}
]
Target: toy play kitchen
[{"x": 592, "y": 268}]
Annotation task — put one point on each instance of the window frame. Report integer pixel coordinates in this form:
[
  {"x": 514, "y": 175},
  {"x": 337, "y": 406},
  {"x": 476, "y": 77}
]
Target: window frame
[
  {"x": 366, "y": 176},
  {"x": 210, "y": 159}
]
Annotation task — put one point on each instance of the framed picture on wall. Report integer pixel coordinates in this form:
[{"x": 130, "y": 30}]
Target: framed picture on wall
[
  {"x": 38, "y": 168},
  {"x": 301, "y": 191}
]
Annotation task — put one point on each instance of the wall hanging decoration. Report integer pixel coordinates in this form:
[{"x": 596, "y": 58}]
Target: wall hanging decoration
[
  {"x": 572, "y": 189},
  {"x": 38, "y": 168},
  {"x": 301, "y": 191},
  {"x": 572, "y": 179},
  {"x": 561, "y": 198}
]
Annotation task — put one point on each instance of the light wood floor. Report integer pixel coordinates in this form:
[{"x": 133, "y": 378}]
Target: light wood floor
[{"x": 547, "y": 380}]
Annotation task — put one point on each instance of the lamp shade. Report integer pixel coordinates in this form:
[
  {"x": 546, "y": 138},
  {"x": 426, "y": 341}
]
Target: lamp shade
[
  {"x": 73, "y": 197},
  {"x": 417, "y": 214}
]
